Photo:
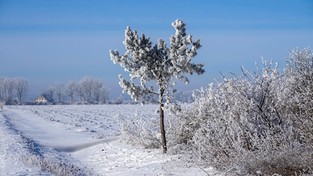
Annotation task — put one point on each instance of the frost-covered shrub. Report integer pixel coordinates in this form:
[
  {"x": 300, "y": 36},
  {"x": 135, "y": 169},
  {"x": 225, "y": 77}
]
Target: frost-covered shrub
[
  {"x": 252, "y": 124},
  {"x": 139, "y": 130},
  {"x": 297, "y": 92},
  {"x": 142, "y": 129}
]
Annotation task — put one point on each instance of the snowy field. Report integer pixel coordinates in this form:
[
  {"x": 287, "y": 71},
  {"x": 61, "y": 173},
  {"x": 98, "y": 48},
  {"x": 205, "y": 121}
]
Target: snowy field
[{"x": 79, "y": 140}]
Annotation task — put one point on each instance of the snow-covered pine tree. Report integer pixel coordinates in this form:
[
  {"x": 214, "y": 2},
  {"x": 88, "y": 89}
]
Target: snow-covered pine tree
[{"x": 146, "y": 62}]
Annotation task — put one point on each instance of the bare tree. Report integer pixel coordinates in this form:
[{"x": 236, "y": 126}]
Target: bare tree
[
  {"x": 21, "y": 88},
  {"x": 71, "y": 88},
  {"x": 90, "y": 90},
  {"x": 84, "y": 89},
  {"x": 1, "y": 89},
  {"x": 157, "y": 63},
  {"x": 8, "y": 90},
  {"x": 104, "y": 93},
  {"x": 58, "y": 89},
  {"x": 96, "y": 90}
]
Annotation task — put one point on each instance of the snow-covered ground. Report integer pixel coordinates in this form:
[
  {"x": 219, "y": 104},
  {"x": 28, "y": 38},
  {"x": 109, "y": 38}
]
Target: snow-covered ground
[{"x": 79, "y": 140}]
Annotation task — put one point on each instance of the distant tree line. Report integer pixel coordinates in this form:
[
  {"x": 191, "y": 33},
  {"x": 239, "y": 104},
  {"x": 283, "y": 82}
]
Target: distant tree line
[
  {"x": 13, "y": 90},
  {"x": 88, "y": 90}
]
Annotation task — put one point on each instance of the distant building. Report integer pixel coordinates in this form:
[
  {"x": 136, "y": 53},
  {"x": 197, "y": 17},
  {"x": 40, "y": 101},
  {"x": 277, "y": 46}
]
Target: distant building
[{"x": 43, "y": 99}]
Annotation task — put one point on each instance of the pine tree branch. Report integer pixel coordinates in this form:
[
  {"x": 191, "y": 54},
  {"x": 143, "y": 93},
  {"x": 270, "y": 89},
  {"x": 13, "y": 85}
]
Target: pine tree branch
[{"x": 154, "y": 93}]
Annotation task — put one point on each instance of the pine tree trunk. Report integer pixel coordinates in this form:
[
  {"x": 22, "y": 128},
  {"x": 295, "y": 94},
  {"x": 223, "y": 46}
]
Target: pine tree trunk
[{"x": 162, "y": 128}]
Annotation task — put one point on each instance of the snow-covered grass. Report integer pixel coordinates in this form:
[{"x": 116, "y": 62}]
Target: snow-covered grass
[{"x": 80, "y": 140}]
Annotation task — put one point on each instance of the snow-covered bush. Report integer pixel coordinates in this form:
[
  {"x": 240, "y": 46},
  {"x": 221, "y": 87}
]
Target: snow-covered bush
[
  {"x": 140, "y": 130},
  {"x": 259, "y": 123},
  {"x": 297, "y": 92}
]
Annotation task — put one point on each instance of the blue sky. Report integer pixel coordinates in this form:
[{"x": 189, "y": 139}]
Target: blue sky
[{"x": 54, "y": 41}]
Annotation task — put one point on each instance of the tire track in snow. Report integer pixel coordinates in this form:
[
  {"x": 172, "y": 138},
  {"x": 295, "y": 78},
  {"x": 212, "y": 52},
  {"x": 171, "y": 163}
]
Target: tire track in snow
[
  {"x": 48, "y": 159},
  {"x": 12, "y": 152},
  {"x": 78, "y": 147}
]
